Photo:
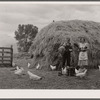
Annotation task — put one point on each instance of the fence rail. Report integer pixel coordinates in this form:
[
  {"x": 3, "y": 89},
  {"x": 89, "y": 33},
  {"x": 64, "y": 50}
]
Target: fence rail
[{"x": 4, "y": 54}]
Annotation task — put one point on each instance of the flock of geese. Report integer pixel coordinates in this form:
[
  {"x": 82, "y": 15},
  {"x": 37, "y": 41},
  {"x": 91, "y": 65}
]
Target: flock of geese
[{"x": 19, "y": 71}]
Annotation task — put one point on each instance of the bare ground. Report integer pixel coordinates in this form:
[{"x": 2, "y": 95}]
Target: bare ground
[{"x": 51, "y": 80}]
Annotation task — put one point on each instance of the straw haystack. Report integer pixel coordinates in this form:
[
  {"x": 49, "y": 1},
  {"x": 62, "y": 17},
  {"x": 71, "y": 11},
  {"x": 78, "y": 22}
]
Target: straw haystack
[{"x": 45, "y": 45}]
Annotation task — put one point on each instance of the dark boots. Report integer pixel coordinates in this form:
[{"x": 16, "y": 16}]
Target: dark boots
[{"x": 71, "y": 71}]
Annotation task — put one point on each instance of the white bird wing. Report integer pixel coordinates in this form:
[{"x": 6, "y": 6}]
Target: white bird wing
[
  {"x": 37, "y": 67},
  {"x": 99, "y": 67},
  {"x": 52, "y": 67},
  {"x": 22, "y": 68},
  {"x": 18, "y": 72},
  {"x": 28, "y": 65},
  {"x": 64, "y": 70},
  {"x": 85, "y": 71},
  {"x": 76, "y": 71},
  {"x": 17, "y": 68},
  {"x": 82, "y": 73},
  {"x": 33, "y": 76}
]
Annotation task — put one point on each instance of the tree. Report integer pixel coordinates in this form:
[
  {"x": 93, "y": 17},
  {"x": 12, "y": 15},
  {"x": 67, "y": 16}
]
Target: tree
[{"x": 25, "y": 35}]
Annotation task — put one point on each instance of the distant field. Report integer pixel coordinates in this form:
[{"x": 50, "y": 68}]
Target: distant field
[{"x": 51, "y": 80}]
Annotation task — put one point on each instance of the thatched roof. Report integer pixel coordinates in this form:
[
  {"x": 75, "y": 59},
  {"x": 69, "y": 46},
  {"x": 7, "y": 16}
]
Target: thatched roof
[{"x": 47, "y": 41}]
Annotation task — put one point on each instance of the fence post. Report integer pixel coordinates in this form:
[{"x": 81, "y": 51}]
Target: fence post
[
  {"x": 2, "y": 54},
  {"x": 11, "y": 55}
]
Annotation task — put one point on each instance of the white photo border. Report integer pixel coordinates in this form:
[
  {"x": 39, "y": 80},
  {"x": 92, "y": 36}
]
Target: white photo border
[{"x": 37, "y": 93}]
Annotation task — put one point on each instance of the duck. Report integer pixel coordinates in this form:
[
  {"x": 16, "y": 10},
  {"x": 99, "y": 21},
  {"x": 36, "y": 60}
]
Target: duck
[{"x": 33, "y": 76}]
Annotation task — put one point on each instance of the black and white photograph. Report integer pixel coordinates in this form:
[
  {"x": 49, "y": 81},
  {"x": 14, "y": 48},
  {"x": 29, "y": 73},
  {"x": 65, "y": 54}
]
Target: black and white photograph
[{"x": 53, "y": 46}]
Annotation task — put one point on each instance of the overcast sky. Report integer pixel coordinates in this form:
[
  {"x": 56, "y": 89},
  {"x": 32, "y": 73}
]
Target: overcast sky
[{"x": 13, "y": 14}]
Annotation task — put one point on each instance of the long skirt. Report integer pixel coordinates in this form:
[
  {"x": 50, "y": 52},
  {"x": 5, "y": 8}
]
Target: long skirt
[
  {"x": 83, "y": 62},
  {"x": 83, "y": 59}
]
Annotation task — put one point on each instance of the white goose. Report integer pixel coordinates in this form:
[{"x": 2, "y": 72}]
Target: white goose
[
  {"x": 52, "y": 67},
  {"x": 33, "y": 76}
]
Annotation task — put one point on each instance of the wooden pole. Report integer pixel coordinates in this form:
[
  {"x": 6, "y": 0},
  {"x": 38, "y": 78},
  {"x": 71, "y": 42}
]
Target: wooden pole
[
  {"x": 11, "y": 55},
  {"x": 2, "y": 55}
]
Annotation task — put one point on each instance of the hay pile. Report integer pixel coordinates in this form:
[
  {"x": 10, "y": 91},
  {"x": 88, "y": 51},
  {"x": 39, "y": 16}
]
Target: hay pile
[{"x": 45, "y": 45}]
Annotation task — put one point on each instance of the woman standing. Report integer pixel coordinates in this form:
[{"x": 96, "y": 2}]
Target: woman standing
[{"x": 83, "y": 53}]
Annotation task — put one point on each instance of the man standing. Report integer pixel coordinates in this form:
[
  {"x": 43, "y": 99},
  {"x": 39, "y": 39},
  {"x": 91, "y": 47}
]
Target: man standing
[{"x": 66, "y": 56}]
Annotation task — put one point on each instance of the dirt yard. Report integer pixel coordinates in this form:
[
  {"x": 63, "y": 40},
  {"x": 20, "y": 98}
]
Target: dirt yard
[{"x": 51, "y": 80}]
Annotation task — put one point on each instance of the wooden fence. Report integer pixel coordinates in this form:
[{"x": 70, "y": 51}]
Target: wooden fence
[{"x": 6, "y": 56}]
